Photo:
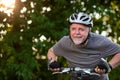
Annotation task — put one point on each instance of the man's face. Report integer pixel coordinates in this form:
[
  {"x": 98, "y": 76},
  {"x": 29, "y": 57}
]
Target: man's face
[{"x": 78, "y": 33}]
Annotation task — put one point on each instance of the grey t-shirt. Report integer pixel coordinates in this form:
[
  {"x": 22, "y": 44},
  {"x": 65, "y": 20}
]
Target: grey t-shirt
[{"x": 89, "y": 56}]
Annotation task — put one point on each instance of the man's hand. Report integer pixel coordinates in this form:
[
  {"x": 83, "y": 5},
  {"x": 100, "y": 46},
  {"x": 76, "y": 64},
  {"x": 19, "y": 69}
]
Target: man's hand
[
  {"x": 55, "y": 66},
  {"x": 103, "y": 67}
]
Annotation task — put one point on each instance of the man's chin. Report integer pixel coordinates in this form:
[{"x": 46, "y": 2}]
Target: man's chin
[{"x": 77, "y": 42}]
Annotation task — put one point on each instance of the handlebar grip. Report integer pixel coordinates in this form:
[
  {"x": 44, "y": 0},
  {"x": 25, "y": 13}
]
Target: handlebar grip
[{"x": 106, "y": 64}]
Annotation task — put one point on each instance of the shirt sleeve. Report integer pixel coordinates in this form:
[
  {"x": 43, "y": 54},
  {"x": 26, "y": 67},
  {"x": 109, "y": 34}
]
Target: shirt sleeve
[
  {"x": 110, "y": 48},
  {"x": 57, "y": 48}
]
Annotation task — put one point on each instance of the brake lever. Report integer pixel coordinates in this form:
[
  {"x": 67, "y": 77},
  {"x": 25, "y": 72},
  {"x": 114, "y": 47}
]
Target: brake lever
[
  {"x": 62, "y": 70},
  {"x": 106, "y": 64}
]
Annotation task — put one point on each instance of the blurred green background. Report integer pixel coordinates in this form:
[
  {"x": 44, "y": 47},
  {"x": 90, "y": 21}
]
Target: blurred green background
[{"x": 28, "y": 28}]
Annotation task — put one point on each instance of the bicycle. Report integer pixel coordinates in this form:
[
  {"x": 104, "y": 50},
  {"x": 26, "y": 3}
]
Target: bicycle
[{"x": 82, "y": 73}]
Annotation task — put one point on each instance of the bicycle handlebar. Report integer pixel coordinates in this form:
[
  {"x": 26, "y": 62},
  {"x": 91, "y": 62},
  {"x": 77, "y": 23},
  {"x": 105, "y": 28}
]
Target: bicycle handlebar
[{"x": 85, "y": 70}]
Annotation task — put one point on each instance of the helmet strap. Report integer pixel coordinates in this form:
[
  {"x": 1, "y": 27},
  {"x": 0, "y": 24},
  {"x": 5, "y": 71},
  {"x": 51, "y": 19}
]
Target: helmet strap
[{"x": 85, "y": 40}]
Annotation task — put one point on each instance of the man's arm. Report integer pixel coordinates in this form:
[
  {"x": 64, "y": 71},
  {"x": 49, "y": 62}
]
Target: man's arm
[
  {"x": 115, "y": 61},
  {"x": 51, "y": 55},
  {"x": 53, "y": 65}
]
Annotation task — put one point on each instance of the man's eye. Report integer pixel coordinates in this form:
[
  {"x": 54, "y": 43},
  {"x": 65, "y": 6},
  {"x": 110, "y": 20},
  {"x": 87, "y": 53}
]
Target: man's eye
[{"x": 73, "y": 28}]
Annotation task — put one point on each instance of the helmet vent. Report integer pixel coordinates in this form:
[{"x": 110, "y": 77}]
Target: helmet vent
[
  {"x": 76, "y": 16},
  {"x": 91, "y": 20},
  {"x": 82, "y": 17},
  {"x": 86, "y": 19},
  {"x": 72, "y": 17}
]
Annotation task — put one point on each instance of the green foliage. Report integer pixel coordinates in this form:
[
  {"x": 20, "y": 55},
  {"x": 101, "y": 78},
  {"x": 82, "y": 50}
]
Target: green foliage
[{"x": 23, "y": 51}]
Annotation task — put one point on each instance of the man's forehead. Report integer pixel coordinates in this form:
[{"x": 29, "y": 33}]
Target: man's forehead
[{"x": 78, "y": 25}]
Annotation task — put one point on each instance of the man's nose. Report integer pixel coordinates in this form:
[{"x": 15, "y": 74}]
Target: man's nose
[{"x": 77, "y": 31}]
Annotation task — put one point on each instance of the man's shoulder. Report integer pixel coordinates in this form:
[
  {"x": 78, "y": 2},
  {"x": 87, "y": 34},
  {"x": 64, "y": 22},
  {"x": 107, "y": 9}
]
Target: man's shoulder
[
  {"x": 99, "y": 38},
  {"x": 95, "y": 35},
  {"x": 65, "y": 38}
]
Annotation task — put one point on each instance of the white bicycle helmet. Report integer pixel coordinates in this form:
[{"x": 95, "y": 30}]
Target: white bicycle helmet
[{"x": 82, "y": 18}]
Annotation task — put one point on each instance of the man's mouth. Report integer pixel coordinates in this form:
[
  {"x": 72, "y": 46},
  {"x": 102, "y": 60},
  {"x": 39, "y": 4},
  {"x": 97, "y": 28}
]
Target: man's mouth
[{"x": 77, "y": 36}]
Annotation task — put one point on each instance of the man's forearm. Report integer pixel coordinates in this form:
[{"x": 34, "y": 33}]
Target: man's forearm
[
  {"x": 115, "y": 61},
  {"x": 51, "y": 56}
]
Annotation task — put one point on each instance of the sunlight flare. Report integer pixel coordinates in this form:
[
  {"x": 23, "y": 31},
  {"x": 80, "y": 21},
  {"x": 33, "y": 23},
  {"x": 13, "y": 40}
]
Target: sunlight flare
[{"x": 7, "y": 6}]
